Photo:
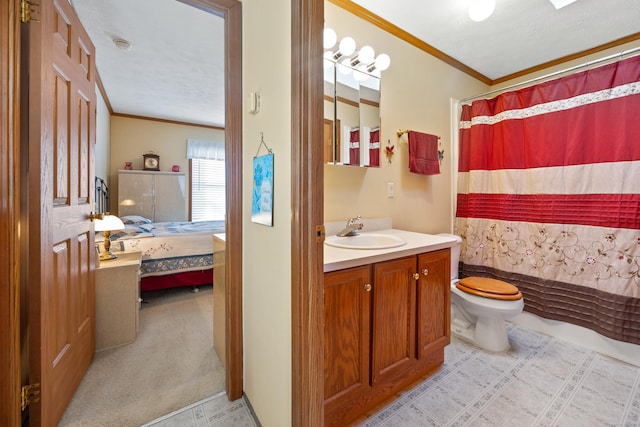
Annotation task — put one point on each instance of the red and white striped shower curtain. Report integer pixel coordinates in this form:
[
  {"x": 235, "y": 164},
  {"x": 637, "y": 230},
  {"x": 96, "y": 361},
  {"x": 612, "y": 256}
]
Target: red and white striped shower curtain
[{"x": 549, "y": 196}]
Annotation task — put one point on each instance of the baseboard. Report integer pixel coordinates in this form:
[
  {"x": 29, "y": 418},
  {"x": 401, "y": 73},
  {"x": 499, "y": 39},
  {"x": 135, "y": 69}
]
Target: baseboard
[
  {"x": 626, "y": 352},
  {"x": 253, "y": 413}
]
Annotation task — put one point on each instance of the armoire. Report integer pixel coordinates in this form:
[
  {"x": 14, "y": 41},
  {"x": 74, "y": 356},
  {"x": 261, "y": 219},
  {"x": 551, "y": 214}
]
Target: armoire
[{"x": 159, "y": 196}]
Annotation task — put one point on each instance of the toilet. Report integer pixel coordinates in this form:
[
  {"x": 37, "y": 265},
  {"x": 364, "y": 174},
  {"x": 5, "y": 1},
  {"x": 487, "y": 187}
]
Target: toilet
[{"x": 480, "y": 305}]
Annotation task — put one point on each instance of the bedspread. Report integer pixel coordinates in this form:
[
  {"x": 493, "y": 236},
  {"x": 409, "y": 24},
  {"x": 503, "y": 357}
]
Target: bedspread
[{"x": 170, "y": 247}]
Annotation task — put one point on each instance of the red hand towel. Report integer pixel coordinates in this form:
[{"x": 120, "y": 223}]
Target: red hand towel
[
  {"x": 354, "y": 147},
  {"x": 423, "y": 153},
  {"x": 374, "y": 150}
]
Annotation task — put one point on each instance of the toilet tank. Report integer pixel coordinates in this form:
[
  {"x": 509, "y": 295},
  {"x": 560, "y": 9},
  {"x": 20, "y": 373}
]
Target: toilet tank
[{"x": 455, "y": 254}]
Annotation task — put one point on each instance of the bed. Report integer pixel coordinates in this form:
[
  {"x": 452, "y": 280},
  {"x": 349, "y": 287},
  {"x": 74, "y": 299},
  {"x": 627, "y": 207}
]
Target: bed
[{"x": 174, "y": 254}]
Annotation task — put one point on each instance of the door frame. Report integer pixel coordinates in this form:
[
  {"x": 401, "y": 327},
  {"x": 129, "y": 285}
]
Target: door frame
[
  {"x": 10, "y": 214},
  {"x": 231, "y": 11},
  {"x": 307, "y": 230}
]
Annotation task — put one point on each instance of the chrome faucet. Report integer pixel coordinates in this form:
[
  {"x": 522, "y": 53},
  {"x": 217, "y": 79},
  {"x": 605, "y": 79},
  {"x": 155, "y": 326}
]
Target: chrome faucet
[{"x": 353, "y": 225}]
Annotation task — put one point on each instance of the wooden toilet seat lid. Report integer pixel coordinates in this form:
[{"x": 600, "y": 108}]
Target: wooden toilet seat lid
[{"x": 489, "y": 288}]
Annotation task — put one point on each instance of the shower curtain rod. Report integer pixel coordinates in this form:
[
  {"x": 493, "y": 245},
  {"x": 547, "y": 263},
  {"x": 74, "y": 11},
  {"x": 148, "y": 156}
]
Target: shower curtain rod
[{"x": 555, "y": 73}]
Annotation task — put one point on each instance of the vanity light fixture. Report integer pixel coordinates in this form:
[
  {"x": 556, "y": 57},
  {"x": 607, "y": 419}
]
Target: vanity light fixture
[
  {"x": 329, "y": 38},
  {"x": 347, "y": 59},
  {"x": 479, "y": 10}
]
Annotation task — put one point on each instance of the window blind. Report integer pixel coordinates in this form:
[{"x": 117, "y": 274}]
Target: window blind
[{"x": 207, "y": 190}]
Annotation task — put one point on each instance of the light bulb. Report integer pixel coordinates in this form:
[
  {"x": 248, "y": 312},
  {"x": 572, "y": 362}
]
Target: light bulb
[
  {"x": 366, "y": 55},
  {"x": 479, "y": 10},
  {"x": 360, "y": 73},
  {"x": 329, "y": 38},
  {"x": 382, "y": 62},
  {"x": 344, "y": 66},
  {"x": 347, "y": 46}
]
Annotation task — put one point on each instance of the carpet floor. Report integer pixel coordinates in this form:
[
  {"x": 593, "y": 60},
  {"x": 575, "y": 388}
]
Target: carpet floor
[{"x": 172, "y": 364}]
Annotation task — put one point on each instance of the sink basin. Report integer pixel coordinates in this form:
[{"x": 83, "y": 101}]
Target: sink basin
[{"x": 366, "y": 241}]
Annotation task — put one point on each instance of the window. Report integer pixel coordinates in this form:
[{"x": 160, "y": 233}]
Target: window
[{"x": 207, "y": 190}]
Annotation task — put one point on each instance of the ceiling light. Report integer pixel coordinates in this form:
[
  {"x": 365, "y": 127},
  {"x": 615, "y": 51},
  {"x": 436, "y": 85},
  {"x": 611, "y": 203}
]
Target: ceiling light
[
  {"x": 122, "y": 44},
  {"x": 561, "y": 3},
  {"x": 479, "y": 10}
]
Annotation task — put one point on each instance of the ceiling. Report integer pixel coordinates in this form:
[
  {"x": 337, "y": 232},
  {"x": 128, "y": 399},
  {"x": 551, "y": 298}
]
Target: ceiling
[{"x": 174, "y": 69}]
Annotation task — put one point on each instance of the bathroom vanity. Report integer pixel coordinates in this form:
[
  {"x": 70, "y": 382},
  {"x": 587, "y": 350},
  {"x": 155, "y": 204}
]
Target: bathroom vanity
[{"x": 386, "y": 321}]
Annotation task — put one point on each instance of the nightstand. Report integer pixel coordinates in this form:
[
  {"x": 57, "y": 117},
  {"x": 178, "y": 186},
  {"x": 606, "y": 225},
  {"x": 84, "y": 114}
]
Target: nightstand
[{"x": 117, "y": 300}]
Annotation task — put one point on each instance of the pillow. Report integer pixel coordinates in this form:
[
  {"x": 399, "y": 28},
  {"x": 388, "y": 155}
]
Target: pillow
[
  {"x": 130, "y": 232},
  {"x": 135, "y": 220}
]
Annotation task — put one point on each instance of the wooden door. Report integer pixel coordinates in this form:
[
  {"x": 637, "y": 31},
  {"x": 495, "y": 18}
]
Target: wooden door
[
  {"x": 433, "y": 303},
  {"x": 61, "y": 294},
  {"x": 393, "y": 332},
  {"x": 347, "y": 301}
]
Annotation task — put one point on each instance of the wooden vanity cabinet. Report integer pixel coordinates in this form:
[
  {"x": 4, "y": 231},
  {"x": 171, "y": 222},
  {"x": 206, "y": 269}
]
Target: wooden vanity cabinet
[{"x": 386, "y": 326}]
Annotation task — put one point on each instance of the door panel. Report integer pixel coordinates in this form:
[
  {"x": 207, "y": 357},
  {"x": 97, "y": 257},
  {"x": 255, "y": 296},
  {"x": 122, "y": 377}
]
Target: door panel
[
  {"x": 347, "y": 302},
  {"x": 61, "y": 265},
  {"x": 433, "y": 302},
  {"x": 394, "y": 300}
]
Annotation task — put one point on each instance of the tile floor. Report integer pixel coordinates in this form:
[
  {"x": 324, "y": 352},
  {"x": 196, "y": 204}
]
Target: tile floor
[{"x": 540, "y": 381}]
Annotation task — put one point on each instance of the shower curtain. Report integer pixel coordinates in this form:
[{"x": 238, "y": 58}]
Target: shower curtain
[{"x": 549, "y": 196}]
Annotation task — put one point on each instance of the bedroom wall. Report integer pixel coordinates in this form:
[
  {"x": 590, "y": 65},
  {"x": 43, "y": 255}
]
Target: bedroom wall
[
  {"x": 101, "y": 156},
  {"x": 266, "y": 255},
  {"x": 416, "y": 93},
  {"x": 133, "y": 137}
]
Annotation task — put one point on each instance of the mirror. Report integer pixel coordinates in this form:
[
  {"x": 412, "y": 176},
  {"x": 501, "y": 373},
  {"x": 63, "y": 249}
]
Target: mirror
[
  {"x": 331, "y": 144},
  {"x": 351, "y": 116},
  {"x": 370, "y": 121}
]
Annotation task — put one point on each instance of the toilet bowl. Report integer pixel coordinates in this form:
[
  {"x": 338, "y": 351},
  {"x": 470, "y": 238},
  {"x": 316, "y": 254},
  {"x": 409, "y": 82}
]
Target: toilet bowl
[{"x": 479, "y": 307}]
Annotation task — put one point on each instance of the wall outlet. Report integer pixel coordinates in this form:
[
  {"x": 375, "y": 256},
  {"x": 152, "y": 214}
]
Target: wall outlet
[{"x": 390, "y": 189}]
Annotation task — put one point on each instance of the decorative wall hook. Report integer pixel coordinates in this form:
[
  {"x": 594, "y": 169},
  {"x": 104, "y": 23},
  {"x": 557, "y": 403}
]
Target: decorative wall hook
[{"x": 389, "y": 150}]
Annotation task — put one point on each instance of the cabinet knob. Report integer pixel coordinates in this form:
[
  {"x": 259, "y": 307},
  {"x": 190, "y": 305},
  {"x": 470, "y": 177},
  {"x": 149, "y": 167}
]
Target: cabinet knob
[
  {"x": 416, "y": 276},
  {"x": 425, "y": 271},
  {"x": 367, "y": 287}
]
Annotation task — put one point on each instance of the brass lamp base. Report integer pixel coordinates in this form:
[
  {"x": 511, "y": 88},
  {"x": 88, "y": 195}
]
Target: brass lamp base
[{"x": 105, "y": 256}]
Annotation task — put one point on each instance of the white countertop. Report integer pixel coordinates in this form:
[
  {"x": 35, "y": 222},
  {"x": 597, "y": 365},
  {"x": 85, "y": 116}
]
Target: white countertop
[{"x": 417, "y": 243}]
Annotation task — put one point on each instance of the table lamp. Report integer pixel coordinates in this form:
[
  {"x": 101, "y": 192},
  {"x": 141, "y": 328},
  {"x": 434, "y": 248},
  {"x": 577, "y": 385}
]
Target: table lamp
[{"x": 106, "y": 225}]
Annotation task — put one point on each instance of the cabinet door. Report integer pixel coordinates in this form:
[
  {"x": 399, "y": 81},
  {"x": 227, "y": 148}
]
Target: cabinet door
[
  {"x": 394, "y": 301},
  {"x": 347, "y": 303},
  {"x": 136, "y": 194},
  {"x": 433, "y": 301},
  {"x": 171, "y": 197}
]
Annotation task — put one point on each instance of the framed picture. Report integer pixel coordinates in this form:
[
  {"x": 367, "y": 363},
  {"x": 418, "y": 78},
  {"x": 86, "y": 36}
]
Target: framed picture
[
  {"x": 262, "y": 198},
  {"x": 151, "y": 162}
]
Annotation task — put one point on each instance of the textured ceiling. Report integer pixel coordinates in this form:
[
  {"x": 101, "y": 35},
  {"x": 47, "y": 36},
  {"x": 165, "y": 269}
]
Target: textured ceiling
[
  {"x": 520, "y": 34},
  {"x": 175, "y": 67},
  {"x": 174, "y": 70}
]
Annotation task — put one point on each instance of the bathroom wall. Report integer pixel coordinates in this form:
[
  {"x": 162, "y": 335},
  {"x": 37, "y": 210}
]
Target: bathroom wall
[
  {"x": 416, "y": 94},
  {"x": 133, "y": 137},
  {"x": 576, "y": 62},
  {"x": 266, "y": 254}
]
